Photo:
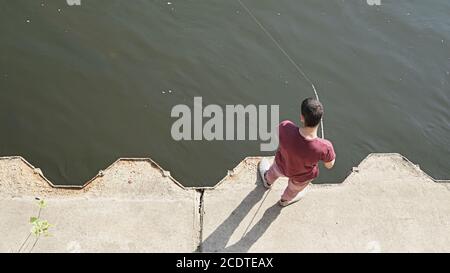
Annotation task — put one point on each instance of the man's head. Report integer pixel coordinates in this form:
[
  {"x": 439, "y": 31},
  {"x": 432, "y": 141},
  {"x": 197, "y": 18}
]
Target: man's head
[{"x": 312, "y": 112}]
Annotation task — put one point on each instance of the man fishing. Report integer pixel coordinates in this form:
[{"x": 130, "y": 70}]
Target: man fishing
[{"x": 299, "y": 152}]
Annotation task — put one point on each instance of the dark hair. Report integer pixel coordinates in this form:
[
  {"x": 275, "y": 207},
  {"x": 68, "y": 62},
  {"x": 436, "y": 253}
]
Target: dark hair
[{"x": 312, "y": 111}]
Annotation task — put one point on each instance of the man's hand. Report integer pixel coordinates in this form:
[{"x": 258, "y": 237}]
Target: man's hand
[{"x": 330, "y": 164}]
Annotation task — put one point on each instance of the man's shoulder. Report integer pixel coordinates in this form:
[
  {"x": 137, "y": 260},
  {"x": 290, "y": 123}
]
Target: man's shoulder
[
  {"x": 287, "y": 127},
  {"x": 325, "y": 142},
  {"x": 287, "y": 123}
]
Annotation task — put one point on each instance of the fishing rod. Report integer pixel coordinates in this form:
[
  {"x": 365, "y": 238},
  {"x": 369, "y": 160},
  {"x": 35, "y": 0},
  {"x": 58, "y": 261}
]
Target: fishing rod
[{"x": 297, "y": 67}]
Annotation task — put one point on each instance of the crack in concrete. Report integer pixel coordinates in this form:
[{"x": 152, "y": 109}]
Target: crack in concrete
[{"x": 201, "y": 211}]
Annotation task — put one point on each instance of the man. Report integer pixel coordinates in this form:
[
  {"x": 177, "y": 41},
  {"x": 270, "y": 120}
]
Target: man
[{"x": 299, "y": 153}]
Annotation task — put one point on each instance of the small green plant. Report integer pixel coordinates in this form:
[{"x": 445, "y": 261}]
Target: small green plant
[{"x": 39, "y": 227}]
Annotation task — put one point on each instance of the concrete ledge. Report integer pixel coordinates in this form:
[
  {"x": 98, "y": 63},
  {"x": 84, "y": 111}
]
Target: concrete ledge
[
  {"x": 132, "y": 206},
  {"x": 386, "y": 204}
]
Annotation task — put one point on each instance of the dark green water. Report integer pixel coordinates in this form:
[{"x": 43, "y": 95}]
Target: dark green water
[{"x": 81, "y": 86}]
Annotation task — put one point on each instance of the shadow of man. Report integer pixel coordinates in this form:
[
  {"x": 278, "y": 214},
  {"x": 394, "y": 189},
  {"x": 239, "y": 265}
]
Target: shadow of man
[
  {"x": 251, "y": 237},
  {"x": 218, "y": 239}
]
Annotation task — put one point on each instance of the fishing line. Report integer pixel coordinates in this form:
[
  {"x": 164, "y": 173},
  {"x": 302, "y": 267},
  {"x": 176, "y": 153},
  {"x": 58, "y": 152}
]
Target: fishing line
[{"x": 297, "y": 67}]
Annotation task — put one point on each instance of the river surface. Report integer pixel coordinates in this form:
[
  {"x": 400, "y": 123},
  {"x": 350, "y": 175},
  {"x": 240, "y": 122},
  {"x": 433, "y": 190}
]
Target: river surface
[{"x": 81, "y": 86}]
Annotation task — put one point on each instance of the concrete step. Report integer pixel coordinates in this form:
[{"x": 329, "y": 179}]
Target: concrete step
[{"x": 386, "y": 204}]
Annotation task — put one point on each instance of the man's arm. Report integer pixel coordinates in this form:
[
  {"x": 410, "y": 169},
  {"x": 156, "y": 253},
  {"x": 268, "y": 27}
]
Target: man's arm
[{"x": 330, "y": 164}]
